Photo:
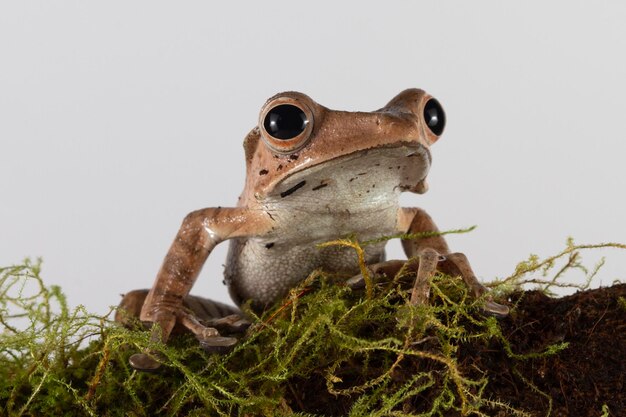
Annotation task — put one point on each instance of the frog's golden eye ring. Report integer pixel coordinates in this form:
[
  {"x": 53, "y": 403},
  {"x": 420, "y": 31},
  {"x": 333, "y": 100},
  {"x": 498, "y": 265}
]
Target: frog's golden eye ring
[
  {"x": 434, "y": 116},
  {"x": 286, "y": 124}
]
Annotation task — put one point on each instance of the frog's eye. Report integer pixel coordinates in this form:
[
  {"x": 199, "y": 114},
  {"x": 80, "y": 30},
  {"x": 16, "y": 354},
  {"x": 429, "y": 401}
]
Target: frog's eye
[
  {"x": 285, "y": 122},
  {"x": 286, "y": 125},
  {"x": 434, "y": 116}
]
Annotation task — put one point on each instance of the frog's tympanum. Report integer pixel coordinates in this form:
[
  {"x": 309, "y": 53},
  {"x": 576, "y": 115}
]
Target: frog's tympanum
[{"x": 313, "y": 175}]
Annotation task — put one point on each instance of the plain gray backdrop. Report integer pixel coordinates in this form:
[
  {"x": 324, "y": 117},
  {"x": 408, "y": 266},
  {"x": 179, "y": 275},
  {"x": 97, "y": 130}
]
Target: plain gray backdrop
[{"x": 118, "y": 118}]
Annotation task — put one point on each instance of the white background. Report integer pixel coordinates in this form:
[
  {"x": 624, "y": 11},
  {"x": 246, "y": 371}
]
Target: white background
[{"x": 117, "y": 118}]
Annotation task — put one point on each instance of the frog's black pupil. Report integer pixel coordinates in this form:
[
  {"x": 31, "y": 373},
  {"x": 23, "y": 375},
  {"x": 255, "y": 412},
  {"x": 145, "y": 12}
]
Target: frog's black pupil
[
  {"x": 285, "y": 121},
  {"x": 434, "y": 116}
]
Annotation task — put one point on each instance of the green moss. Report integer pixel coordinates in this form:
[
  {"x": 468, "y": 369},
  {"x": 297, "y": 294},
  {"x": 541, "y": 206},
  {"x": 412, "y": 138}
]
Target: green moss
[
  {"x": 605, "y": 411},
  {"x": 371, "y": 354}
]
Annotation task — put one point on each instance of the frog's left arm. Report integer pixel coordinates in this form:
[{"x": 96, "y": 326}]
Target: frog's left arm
[
  {"x": 200, "y": 232},
  {"x": 433, "y": 254}
]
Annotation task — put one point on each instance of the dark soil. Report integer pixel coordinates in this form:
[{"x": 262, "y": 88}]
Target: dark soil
[
  {"x": 578, "y": 381},
  {"x": 590, "y": 373}
]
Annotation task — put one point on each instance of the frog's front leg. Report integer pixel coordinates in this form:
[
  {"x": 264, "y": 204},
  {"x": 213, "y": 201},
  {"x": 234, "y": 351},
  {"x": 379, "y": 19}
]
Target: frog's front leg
[
  {"x": 433, "y": 254},
  {"x": 427, "y": 255},
  {"x": 200, "y": 232}
]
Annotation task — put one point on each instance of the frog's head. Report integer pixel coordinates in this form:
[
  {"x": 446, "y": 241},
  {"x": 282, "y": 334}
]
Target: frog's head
[{"x": 300, "y": 143}]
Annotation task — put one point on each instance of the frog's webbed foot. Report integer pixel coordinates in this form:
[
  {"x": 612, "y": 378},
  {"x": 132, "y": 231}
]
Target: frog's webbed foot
[
  {"x": 453, "y": 264},
  {"x": 424, "y": 265},
  {"x": 209, "y": 333},
  {"x": 208, "y": 320},
  {"x": 456, "y": 264},
  {"x": 432, "y": 253},
  {"x": 379, "y": 272},
  {"x": 209, "y": 337},
  {"x": 233, "y": 323}
]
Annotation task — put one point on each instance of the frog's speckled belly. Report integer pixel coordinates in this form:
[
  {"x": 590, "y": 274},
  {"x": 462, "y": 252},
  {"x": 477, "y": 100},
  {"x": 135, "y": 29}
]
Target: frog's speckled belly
[
  {"x": 264, "y": 269},
  {"x": 263, "y": 275}
]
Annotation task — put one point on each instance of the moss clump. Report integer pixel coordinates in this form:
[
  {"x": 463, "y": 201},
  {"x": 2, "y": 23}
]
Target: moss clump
[{"x": 323, "y": 350}]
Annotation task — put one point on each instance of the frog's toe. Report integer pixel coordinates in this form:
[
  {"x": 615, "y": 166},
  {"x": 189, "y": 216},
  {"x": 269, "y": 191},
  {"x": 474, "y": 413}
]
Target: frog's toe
[
  {"x": 379, "y": 272},
  {"x": 495, "y": 309},
  {"x": 233, "y": 323},
  {"x": 144, "y": 362},
  {"x": 357, "y": 282},
  {"x": 218, "y": 344}
]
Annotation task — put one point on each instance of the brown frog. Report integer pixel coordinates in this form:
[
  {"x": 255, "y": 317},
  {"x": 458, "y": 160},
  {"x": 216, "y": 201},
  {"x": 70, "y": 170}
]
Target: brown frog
[{"x": 313, "y": 175}]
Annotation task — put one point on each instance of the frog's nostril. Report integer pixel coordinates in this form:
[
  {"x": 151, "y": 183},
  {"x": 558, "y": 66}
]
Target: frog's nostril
[
  {"x": 434, "y": 116},
  {"x": 285, "y": 121}
]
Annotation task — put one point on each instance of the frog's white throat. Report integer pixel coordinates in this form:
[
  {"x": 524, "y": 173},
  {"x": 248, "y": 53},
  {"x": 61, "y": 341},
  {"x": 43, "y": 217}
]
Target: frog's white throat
[{"x": 359, "y": 181}]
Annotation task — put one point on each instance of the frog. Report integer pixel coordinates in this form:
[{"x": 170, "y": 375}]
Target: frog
[{"x": 312, "y": 175}]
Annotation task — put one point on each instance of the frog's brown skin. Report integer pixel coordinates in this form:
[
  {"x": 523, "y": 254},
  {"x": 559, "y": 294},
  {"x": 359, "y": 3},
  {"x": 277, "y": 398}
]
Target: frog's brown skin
[{"x": 343, "y": 174}]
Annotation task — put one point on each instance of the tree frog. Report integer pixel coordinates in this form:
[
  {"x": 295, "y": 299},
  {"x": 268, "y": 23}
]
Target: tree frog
[{"x": 313, "y": 175}]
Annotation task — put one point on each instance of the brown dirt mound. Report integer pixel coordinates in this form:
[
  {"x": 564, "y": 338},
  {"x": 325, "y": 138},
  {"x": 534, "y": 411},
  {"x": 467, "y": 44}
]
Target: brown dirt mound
[
  {"x": 590, "y": 373},
  {"x": 578, "y": 381}
]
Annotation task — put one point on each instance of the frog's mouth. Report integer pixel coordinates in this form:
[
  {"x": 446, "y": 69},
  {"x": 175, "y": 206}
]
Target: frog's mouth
[{"x": 360, "y": 176}]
